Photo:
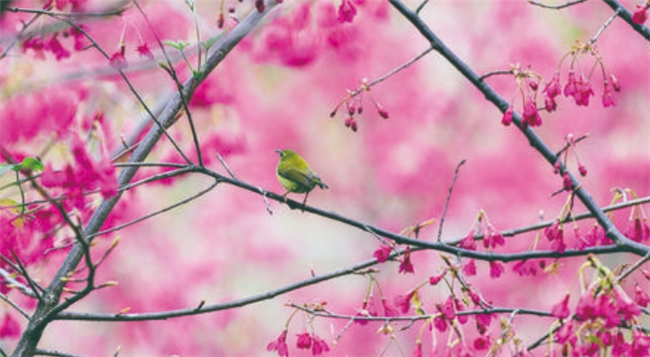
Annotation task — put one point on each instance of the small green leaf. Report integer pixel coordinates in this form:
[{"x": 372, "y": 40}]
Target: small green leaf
[
  {"x": 4, "y": 168},
  {"x": 32, "y": 163},
  {"x": 179, "y": 45}
]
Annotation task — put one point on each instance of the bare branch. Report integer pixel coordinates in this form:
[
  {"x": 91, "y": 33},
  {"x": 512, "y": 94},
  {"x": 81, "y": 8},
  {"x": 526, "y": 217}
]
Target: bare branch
[{"x": 451, "y": 188}]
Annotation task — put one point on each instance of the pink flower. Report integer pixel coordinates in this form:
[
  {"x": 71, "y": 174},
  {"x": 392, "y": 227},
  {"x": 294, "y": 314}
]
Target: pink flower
[
  {"x": 620, "y": 348},
  {"x": 279, "y": 345},
  {"x": 524, "y": 267},
  {"x": 641, "y": 297},
  {"x": 447, "y": 308},
  {"x": 583, "y": 93},
  {"x": 553, "y": 88},
  {"x": 436, "y": 278},
  {"x": 561, "y": 309},
  {"x": 304, "y": 341},
  {"x": 118, "y": 61},
  {"x": 550, "y": 104},
  {"x": 404, "y": 301},
  {"x": 640, "y": 344},
  {"x": 144, "y": 51},
  {"x": 483, "y": 322},
  {"x": 638, "y": 231},
  {"x": 440, "y": 323},
  {"x": 366, "y": 310},
  {"x": 469, "y": 268},
  {"x": 496, "y": 269},
  {"x": 482, "y": 342},
  {"x": 476, "y": 299},
  {"x": 640, "y": 15},
  {"x": 507, "y": 117},
  {"x": 417, "y": 352},
  {"x": 608, "y": 98},
  {"x": 389, "y": 311},
  {"x": 319, "y": 346},
  {"x": 567, "y": 184},
  {"x": 582, "y": 169},
  {"x": 571, "y": 87},
  {"x": 405, "y": 266},
  {"x": 57, "y": 49},
  {"x": 565, "y": 333},
  {"x": 347, "y": 11},
  {"x": 468, "y": 242},
  {"x": 531, "y": 115},
  {"x": 382, "y": 253},
  {"x": 625, "y": 306},
  {"x": 493, "y": 238},
  {"x": 382, "y": 112},
  {"x": 460, "y": 306}
]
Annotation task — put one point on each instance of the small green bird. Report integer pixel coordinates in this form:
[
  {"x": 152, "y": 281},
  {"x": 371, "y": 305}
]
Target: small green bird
[{"x": 295, "y": 175}]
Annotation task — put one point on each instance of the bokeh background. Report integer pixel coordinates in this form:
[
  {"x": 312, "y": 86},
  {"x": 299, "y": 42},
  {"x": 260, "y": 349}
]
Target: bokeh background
[{"x": 276, "y": 91}]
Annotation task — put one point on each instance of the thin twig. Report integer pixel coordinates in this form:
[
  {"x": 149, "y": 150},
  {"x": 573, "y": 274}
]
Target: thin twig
[
  {"x": 602, "y": 28},
  {"x": 389, "y": 74},
  {"x": 421, "y": 6},
  {"x": 42, "y": 352},
  {"x": 451, "y": 188},
  {"x": 155, "y": 213},
  {"x": 631, "y": 269},
  {"x": 14, "y": 305},
  {"x": 494, "y": 73},
  {"x": 555, "y": 7},
  {"x": 223, "y": 162}
]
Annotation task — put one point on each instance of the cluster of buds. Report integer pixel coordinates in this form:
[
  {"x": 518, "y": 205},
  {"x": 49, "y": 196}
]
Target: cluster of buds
[
  {"x": 570, "y": 147},
  {"x": 578, "y": 85},
  {"x": 528, "y": 84},
  {"x": 353, "y": 104}
]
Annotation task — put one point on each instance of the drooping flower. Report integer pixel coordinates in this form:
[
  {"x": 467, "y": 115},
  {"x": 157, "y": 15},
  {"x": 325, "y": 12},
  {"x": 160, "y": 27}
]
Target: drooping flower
[
  {"x": 469, "y": 268},
  {"x": 318, "y": 346},
  {"x": 347, "y": 11},
  {"x": 417, "y": 351},
  {"x": 640, "y": 16},
  {"x": 561, "y": 309},
  {"x": 641, "y": 297},
  {"x": 144, "y": 51},
  {"x": 531, "y": 115},
  {"x": 436, "y": 278},
  {"x": 440, "y": 323},
  {"x": 583, "y": 92},
  {"x": 382, "y": 253},
  {"x": 279, "y": 345},
  {"x": 117, "y": 60},
  {"x": 496, "y": 269},
  {"x": 389, "y": 311},
  {"x": 482, "y": 342},
  {"x": 507, "y": 117},
  {"x": 405, "y": 265},
  {"x": 608, "y": 97},
  {"x": 304, "y": 341},
  {"x": 57, "y": 49},
  {"x": 404, "y": 301},
  {"x": 582, "y": 169},
  {"x": 468, "y": 242}
]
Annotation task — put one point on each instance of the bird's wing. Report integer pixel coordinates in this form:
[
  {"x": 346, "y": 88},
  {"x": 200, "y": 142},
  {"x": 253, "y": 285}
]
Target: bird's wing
[{"x": 298, "y": 177}]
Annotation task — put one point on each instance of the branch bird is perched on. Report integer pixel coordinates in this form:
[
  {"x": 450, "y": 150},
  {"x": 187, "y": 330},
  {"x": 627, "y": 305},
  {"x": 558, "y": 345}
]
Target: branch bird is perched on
[{"x": 295, "y": 175}]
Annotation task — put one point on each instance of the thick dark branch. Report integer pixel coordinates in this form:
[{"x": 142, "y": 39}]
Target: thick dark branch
[
  {"x": 50, "y": 306},
  {"x": 535, "y": 141},
  {"x": 627, "y": 16},
  {"x": 69, "y": 315}
]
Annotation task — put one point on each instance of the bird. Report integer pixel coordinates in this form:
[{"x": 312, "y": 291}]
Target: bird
[{"x": 295, "y": 175}]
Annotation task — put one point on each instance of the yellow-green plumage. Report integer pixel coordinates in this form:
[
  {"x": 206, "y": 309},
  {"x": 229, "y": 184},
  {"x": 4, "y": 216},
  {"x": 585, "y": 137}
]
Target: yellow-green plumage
[{"x": 295, "y": 175}]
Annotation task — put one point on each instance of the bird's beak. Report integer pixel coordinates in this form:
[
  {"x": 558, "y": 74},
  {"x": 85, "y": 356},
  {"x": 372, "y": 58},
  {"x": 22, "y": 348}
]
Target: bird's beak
[{"x": 279, "y": 152}]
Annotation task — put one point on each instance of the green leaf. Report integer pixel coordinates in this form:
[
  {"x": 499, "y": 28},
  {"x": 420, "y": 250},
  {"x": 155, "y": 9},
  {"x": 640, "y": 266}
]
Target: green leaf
[
  {"x": 32, "y": 163},
  {"x": 179, "y": 45},
  {"x": 4, "y": 168}
]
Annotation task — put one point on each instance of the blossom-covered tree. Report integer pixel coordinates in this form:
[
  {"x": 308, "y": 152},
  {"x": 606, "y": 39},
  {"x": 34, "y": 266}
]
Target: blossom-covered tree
[{"x": 488, "y": 165}]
